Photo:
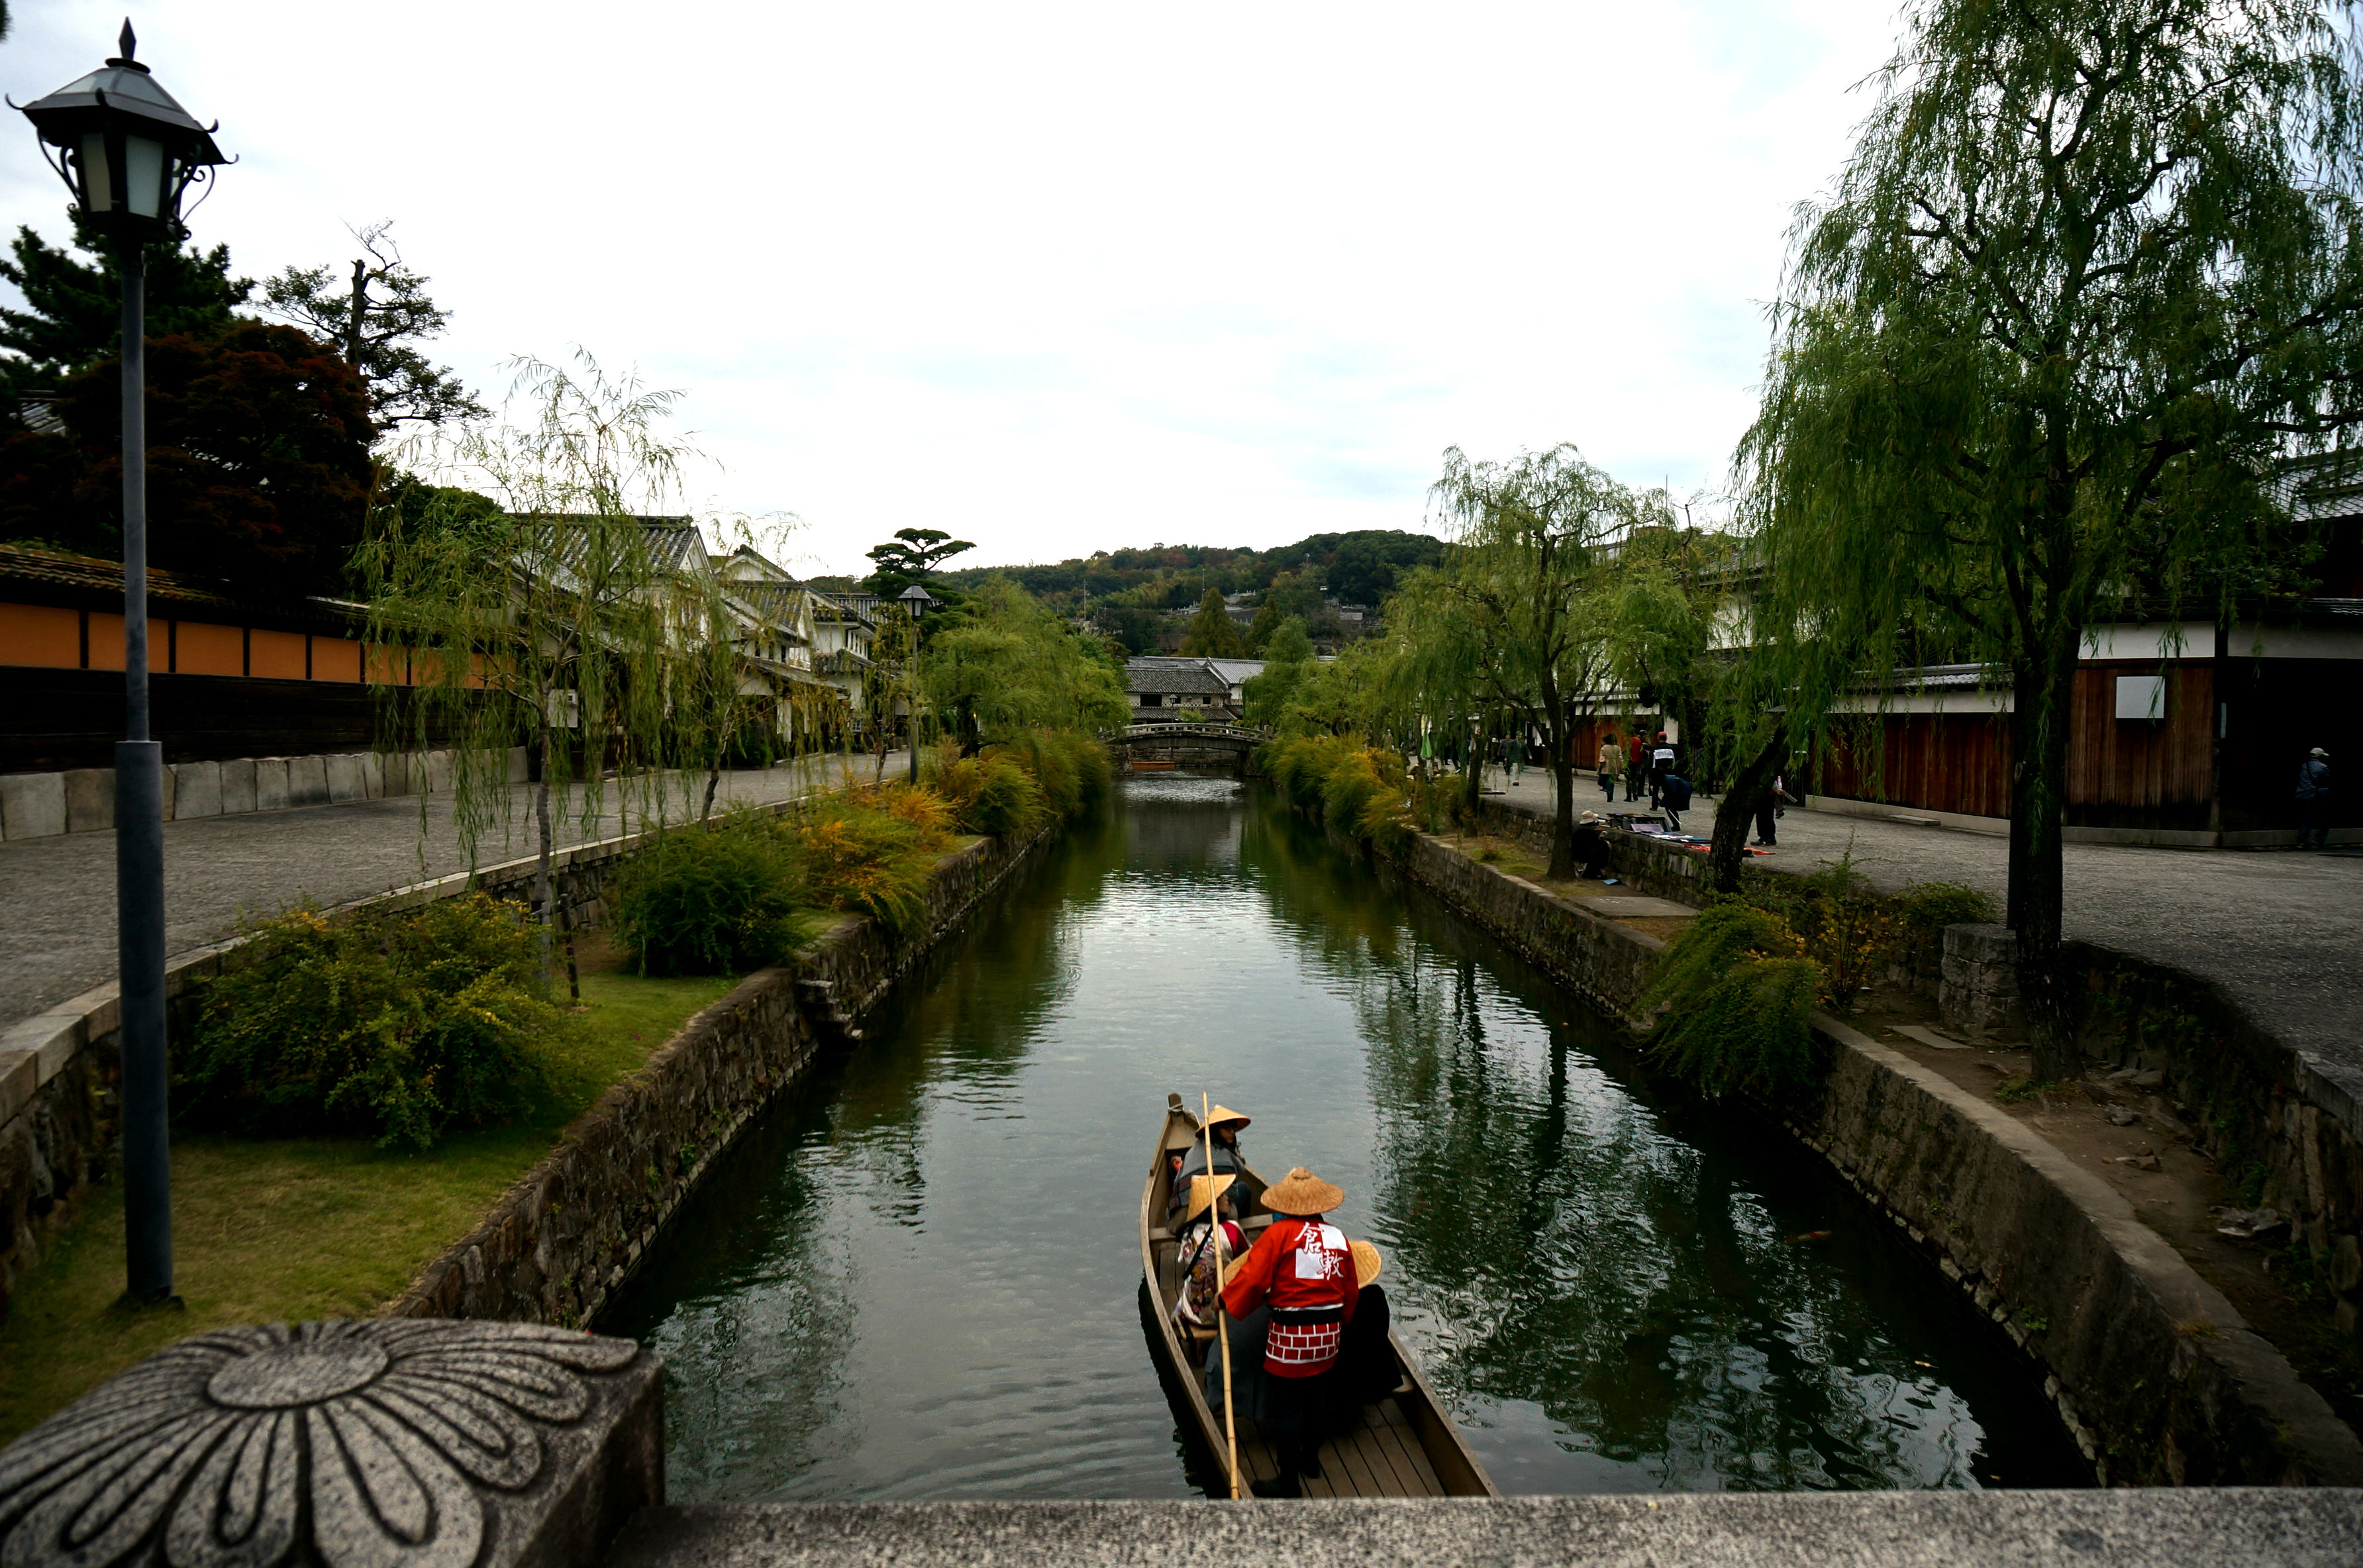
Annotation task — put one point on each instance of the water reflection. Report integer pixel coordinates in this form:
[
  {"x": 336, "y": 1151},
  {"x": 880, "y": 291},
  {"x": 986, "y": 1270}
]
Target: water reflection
[{"x": 918, "y": 1280}]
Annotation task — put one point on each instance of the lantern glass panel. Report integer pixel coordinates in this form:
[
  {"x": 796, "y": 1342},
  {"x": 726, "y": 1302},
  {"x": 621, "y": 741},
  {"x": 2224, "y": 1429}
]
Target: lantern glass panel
[
  {"x": 143, "y": 174},
  {"x": 97, "y": 177}
]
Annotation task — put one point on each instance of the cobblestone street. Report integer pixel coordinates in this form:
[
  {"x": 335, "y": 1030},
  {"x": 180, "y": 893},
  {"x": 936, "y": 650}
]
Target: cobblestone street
[{"x": 59, "y": 938}]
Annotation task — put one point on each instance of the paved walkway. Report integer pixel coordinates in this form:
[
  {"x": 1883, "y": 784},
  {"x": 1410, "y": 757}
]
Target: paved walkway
[
  {"x": 57, "y": 937},
  {"x": 2280, "y": 932}
]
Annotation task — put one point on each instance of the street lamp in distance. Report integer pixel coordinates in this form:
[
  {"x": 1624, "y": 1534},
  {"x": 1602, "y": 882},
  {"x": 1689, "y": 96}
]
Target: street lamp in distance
[
  {"x": 129, "y": 152},
  {"x": 917, "y": 600}
]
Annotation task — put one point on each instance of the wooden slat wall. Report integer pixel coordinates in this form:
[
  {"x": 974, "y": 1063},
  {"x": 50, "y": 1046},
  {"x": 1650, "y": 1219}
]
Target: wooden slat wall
[
  {"x": 1934, "y": 762},
  {"x": 2115, "y": 762}
]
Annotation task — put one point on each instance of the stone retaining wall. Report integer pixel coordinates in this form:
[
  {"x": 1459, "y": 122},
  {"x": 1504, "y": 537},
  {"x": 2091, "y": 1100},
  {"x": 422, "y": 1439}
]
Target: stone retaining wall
[
  {"x": 558, "y": 1245},
  {"x": 2155, "y": 1373}
]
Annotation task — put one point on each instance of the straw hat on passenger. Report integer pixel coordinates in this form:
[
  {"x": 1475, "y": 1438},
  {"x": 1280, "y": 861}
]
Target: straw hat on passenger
[
  {"x": 1223, "y": 1115},
  {"x": 1200, "y": 1197},
  {"x": 1367, "y": 1263},
  {"x": 1299, "y": 1193}
]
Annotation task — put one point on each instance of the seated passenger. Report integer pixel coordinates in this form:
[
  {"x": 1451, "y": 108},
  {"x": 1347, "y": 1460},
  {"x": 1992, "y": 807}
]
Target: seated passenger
[
  {"x": 1194, "y": 1304},
  {"x": 1226, "y": 1125}
]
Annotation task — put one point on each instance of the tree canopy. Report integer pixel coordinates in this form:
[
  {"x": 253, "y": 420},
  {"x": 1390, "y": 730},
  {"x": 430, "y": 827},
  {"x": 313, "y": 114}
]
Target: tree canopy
[
  {"x": 2094, "y": 270},
  {"x": 1002, "y": 663},
  {"x": 405, "y": 386},
  {"x": 1213, "y": 633},
  {"x": 258, "y": 462},
  {"x": 913, "y": 555},
  {"x": 72, "y": 318}
]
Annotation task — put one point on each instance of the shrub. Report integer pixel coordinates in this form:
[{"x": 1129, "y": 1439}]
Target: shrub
[
  {"x": 1738, "y": 995},
  {"x": 1926, "y": 908},
  {"x": 1016, "y": 786},
  {"x": 711, "y": 900},
  {"x": 396, "y": 1024},
  {"x": 856, "y": 856},
  {"x": 1359, "y": 790}
]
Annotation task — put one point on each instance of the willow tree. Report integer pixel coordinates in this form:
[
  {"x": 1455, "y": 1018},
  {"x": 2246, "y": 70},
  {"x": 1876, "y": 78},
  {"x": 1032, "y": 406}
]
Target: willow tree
[
  {"x": 2091, "y": 274},
  {"x": 566, "y": 617},
  {"x": 1521, "y": 618},
  {"x": 1002, "y": 663}
]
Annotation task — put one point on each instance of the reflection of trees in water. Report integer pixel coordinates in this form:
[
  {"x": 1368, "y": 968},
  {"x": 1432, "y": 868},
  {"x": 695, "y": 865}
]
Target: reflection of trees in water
[
  {"x": 1327, "y": 899},
  {"x": 1576, "y": 1256},
  {"x": 746, "y": 1301}
]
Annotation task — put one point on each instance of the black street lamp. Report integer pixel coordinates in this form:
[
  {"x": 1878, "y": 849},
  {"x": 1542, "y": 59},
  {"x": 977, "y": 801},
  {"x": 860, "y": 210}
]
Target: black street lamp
[{"x": 129, "y": 153}]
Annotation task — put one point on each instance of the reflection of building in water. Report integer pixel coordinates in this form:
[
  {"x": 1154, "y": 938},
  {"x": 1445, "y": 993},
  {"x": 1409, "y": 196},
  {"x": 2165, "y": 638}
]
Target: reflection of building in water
[{"x": 1178, "y": 819}]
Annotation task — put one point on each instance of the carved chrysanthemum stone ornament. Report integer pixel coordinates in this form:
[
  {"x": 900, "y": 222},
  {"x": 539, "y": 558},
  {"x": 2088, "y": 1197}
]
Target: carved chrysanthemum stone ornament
[{"x": 393, "y": 1443}]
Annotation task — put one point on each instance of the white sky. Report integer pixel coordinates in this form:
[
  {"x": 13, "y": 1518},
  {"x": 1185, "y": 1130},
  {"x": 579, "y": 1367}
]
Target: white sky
[{"x": 1054, "y": 277}]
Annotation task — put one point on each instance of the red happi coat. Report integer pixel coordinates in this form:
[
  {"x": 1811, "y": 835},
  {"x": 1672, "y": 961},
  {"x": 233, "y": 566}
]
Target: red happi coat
[{"x": 1303, "y": 1269}]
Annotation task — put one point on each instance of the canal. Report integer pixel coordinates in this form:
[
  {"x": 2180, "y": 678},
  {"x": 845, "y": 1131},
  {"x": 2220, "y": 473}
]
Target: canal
[{"x": 919, "y": 1277}]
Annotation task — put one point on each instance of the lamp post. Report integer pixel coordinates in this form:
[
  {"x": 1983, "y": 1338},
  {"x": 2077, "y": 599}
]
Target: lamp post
[
  {"x": 129, "y": 153},
  {"x": 915, "y": 600}
]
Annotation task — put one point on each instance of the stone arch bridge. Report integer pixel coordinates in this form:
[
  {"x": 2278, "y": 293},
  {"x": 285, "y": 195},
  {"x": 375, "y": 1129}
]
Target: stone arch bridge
[{"x": 1201, "y": 747}]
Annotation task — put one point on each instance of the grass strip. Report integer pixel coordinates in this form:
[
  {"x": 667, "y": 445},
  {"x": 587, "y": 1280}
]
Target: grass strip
[{"x": 286, "y": 1229}]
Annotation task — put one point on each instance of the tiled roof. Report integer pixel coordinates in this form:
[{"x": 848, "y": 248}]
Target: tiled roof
[
  {"x": 1187, "y": 678},
  {"x": 2317, "y": 489},
  {"x": 94, "y": 574}
]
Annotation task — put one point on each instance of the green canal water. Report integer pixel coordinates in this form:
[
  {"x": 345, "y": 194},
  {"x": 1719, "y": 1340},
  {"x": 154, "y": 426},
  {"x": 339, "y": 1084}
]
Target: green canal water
[{"x": 919, "y": 1277}]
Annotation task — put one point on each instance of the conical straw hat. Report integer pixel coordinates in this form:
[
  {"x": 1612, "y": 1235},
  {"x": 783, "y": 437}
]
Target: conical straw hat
[
  {"x": 1222, "y": 1114},
  {"x": 1367, "y": 1262},
  {"x": 1200, "y": 1197},
  {"x": 1301, "y": 1192}
]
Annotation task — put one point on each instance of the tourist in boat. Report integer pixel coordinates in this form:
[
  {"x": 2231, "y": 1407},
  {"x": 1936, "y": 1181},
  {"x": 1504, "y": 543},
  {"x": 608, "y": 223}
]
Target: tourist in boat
[
  {"x": 1194, "y": 1304},
  {"x": 1227, "y": 1124},
  {"x": 1366, "y": 1370},
  {"x": 1302, "y": 1271}
]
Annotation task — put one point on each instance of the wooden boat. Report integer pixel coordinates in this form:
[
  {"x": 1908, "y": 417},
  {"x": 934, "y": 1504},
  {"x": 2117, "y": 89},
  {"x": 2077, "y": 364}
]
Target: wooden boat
[{"x": 1406, "y": 1445}]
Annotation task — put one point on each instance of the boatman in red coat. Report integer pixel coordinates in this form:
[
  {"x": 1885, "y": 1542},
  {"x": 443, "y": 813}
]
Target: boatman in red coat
[{"x": 1303, "y": 1268}]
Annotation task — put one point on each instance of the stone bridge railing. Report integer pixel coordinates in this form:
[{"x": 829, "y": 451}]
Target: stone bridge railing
[{"x": 1235, "y": 735}]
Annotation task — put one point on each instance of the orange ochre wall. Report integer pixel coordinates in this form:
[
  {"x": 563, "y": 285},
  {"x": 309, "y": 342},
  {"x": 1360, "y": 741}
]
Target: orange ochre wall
[{"x": 50, "y": 638}]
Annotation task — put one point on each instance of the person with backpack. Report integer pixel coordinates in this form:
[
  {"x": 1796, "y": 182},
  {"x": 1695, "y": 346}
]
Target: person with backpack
[{"x": 2313, "y": 800}]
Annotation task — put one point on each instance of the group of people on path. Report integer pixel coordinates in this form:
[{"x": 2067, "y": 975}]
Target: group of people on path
[
  {"x": 1307, "y": 1329},
  {"x": 1645, "y": 764}
]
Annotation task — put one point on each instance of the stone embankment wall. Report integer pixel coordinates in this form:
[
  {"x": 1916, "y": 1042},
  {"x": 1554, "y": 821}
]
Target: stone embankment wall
[
  {"x": 2154, "y": 1373},
  {"x": 559, "y": 1244}
]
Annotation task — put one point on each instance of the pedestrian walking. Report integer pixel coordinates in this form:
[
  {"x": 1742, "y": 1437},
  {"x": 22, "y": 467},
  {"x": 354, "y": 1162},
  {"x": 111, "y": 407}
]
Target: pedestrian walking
[
  {"x": 1611, "y": 763},
  {"x": 2313, "y": 800},
  {"x": 1661, "y": 762},
  {"x": 1636, "y": 757}
]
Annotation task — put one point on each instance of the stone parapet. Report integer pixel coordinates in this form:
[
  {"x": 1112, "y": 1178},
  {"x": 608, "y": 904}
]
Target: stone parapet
[{"x": 2152, "y": 1529}]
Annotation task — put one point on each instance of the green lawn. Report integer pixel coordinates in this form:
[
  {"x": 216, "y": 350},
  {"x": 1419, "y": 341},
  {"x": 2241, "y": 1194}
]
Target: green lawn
[{"x": 274, "y": 1231}]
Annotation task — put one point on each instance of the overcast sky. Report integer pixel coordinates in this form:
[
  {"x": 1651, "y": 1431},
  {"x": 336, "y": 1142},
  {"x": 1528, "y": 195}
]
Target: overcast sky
[{"x": 1054, "y": 277}]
